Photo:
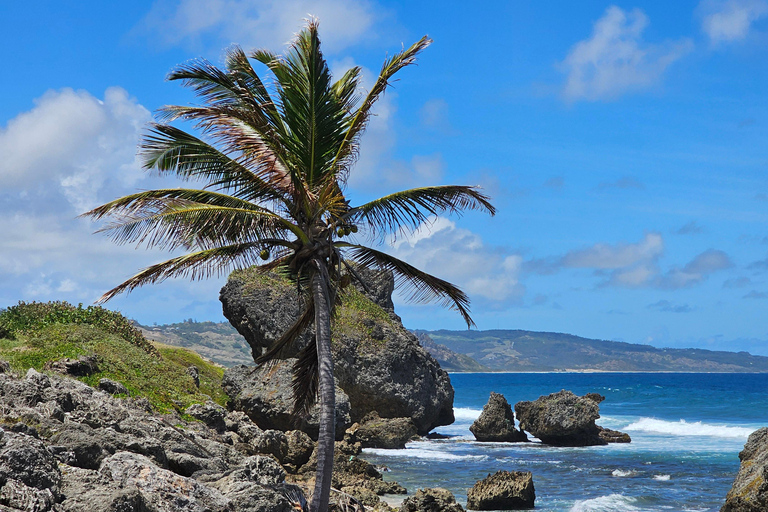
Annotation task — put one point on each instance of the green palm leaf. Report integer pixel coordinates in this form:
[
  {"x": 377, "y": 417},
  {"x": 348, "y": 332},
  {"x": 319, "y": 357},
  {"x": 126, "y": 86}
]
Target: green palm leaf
[{"x": 424, "y": 288}]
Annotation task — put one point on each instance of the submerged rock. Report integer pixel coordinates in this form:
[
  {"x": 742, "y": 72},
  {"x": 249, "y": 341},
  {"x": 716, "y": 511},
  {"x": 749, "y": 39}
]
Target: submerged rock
[
  {"x": 504, "y": 490},
  {"x": 749, "y": 492},
  {"x": 565, "y": 419},
  {"x": 497, "y": 422},
  {"x": 378, "y": 363}
]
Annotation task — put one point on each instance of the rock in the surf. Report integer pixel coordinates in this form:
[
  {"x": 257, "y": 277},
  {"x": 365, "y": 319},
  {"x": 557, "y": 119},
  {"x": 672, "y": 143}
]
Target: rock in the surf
[
  {"x": 565, "y": 419},
  {"x": 749, "y": 492},
  {"x": 434, "y": 499},
  {"x": 504, "y": 490},
  {"x": 497, "y": 422}
]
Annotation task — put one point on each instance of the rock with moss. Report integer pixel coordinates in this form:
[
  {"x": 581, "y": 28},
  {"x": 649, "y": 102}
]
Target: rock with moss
[
  {"x": 565, "y": 419},
  {"x": 378, "y": 363},
  {"x": 749, "y": 492},
  {"x": 497, "y": 422}
]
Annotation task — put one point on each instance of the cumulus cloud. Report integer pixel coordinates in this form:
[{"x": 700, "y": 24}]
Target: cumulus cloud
[
  {"x": 257, "y": 23},
  {"x": 759, "y": 265},
  {"x": 697, "y": 270},
  {"x": 616, "y": 60},
  {"x": 754, "y": 294},
  {"x": 667, "y": 307},
  {"x": 68, "y": 140},
  {"x": 634, "y": 265},
  {"x": 620, "y": 256},
  {"x": 739, "y": 282},
  {"x": 460, "y": 256},
  {"x": 69, "y": 153},
  {"x": 727, "y": 21}
]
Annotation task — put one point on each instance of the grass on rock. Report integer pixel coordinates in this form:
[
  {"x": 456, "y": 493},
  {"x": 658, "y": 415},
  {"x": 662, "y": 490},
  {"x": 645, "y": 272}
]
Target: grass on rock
[{"x": 34, "y": 334}]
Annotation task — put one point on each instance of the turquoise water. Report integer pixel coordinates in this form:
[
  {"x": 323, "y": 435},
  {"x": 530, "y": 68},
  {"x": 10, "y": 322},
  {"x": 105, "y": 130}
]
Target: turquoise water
[{"x": 687, "y": 431}]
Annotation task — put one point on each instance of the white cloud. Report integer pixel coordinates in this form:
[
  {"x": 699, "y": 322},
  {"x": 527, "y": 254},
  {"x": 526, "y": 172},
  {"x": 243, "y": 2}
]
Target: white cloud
[
  {"x": 697, "y": 270},
  {"x": 70, "y": 152},
  {"x": 258, "y": 23},
  {"x": 72, "y": 145},
  {"x": 615, "y": 60},
  {"x": 619, "y": 256},
  {"x": 460, "y": 257},
  {"x": 726, "y": 21}
]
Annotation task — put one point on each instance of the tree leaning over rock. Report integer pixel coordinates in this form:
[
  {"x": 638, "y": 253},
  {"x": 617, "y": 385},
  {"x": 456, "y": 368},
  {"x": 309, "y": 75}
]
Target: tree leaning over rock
[{"x": 275, "y": 157}]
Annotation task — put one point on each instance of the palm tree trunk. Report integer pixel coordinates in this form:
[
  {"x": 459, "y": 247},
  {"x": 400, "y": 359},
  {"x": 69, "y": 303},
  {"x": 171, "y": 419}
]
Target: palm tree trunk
[{"x": 327, "y": 435}]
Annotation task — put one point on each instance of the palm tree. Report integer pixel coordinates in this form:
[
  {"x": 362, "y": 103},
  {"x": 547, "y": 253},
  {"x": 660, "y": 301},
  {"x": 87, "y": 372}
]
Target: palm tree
[{"x": 275, "y": 157}]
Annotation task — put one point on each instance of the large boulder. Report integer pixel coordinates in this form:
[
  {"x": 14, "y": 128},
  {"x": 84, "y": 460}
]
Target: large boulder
[
  {"x": 266, "y": 396},
  {"x": 504, "y": 490},
  {"x": 378, "y": 363},
  {"x": 434, "y": 499},
  {"x": 497, "y": 422},
  {"x": 565, "y": 419},
  {"x": 749, "y": 492},
  {"x": 376, "y": 432}
]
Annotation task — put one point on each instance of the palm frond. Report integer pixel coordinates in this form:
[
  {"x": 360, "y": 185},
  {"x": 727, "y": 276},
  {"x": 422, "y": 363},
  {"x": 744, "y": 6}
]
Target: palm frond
[
  {"x": 167, "y": 148},
  {"x": 197, "y": 265},
  {"x": 424, "y": 288},
  {"x": 279, "y": 346},
  {"x": 305, "y": 380},
  {"x": 408, "y": 209},
  {"x": 359, "y": 121},
  {"x": 171, "y": 223}
]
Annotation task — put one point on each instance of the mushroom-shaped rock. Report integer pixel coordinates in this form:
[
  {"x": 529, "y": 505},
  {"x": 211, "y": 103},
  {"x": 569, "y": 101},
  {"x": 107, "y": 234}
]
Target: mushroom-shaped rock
[
  {"x": 565, "y": 419},
  {"x": 497, "y": 422},
  {"x": 504, "y": 490}
]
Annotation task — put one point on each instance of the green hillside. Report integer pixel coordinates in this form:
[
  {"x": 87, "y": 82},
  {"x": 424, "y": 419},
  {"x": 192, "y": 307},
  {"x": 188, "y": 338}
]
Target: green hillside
[
  {"x": 517, "y": 350},
  {"x": 34, "y": 335}
]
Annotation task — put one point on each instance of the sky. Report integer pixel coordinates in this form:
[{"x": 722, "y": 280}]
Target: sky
[{"x": 623, "y": 144}]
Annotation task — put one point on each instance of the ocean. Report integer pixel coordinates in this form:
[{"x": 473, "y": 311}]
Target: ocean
[{"x": 686, "y": 429}]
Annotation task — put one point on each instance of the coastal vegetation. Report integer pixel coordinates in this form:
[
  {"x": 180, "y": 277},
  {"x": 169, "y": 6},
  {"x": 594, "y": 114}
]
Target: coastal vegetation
[
  {"x": 35, "y": 335},
  {"x": 274, "y": 159}
]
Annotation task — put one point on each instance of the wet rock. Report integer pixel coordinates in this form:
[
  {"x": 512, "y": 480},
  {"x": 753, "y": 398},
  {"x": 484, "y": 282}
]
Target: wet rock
[
  {"x": 564, "y": 419},
  {"x": 497, "y": 422},
  {"x": 504, "y": 490},
  {"x": 376, "y": 432},
  {"x": 613, "y": 436},
  {"x": 435, "y": 499},
  {"x": 749, "y": 492},
  {"x": 112, "y": 387}
]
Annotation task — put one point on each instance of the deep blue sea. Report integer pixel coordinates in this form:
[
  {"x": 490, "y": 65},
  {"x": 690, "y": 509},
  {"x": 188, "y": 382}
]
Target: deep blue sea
[{"x": 686, "y": 429}]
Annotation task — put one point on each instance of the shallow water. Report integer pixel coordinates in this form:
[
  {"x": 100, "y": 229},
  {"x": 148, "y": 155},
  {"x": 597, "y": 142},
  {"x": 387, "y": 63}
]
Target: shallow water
[{"x": 687, "y": 431}]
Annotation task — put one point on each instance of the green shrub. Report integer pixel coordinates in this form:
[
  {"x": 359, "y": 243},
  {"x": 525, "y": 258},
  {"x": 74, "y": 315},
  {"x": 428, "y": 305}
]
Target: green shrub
[{"x": 30, "y": 316}]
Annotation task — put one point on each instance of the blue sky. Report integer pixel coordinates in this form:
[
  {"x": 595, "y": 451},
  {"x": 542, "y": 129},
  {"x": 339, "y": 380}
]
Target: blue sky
[{"x": 624, "y": 145}]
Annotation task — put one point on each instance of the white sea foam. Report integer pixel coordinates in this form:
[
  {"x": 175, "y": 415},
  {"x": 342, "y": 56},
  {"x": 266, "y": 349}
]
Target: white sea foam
[
  {"x": 621, "y": 473},
  {"x": 465, "y": 414},
  {"x": 610, "y": 503},
  {"x": 684, "y": 428},
  {"x": 661, "y": 478},
  {"x": 421, "y": 453}
]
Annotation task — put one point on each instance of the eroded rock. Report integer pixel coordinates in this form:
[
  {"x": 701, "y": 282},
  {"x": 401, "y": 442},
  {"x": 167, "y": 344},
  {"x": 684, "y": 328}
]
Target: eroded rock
[
  {"x": 749, "y": 492},
  {"x": 434, "y": 499},
  {"x": 504, "y": 490},
  {"x": 497, "y": 422}
]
